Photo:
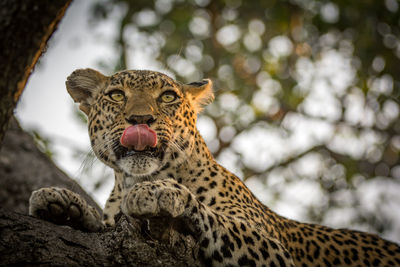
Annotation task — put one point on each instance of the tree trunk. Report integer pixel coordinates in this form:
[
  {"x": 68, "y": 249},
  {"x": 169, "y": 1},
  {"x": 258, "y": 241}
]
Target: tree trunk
[
  {"x": 27, "y": 241},
  {"x": 25, "y": 28}
]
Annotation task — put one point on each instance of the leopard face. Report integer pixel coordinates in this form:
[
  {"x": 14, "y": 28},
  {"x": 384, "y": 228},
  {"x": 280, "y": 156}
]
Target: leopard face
[{"x": 155, "y": 102}]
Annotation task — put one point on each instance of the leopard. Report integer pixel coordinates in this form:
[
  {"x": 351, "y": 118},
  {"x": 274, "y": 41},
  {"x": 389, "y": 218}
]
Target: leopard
[{"x": 142, "y": 124}]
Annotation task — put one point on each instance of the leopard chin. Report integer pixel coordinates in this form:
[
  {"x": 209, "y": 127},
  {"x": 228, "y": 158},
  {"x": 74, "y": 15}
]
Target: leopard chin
[{"x": 139, "y": 165}]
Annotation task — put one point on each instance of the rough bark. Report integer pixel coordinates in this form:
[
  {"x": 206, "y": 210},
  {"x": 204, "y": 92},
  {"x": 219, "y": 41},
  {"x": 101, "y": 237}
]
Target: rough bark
[
  {"x": 27, "y": 241},
  {"x": 25, "y": 27}
]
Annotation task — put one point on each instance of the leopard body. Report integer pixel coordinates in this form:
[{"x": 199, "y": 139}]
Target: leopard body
[{"x": 181, "y": 179}]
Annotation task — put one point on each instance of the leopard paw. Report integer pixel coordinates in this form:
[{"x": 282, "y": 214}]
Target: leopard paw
[
  {"x": 159, "y": 198},
  {"x": 62, "y": 206}
]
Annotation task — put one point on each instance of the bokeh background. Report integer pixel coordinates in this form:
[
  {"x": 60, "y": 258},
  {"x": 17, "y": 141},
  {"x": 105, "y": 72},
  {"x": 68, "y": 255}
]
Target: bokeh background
[{"x": 307, "y": 96}]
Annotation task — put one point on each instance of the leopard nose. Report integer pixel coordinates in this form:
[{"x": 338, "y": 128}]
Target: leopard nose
[{"x": 140, "y": 119}]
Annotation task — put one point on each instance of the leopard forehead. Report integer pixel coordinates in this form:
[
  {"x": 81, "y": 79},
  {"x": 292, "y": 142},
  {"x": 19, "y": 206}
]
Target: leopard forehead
[{"x": 142, "y": 80}]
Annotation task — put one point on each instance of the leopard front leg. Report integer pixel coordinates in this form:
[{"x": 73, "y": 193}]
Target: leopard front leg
[
  {"x": 113, "y": 204},
  {"x": 224, "y": 240},
  {"x": 62, "y": 206}
]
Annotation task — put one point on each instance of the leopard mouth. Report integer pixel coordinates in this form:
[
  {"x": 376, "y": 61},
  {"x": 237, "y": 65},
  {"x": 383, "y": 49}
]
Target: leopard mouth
[
  {"x": 138, "y": 163},
  {"x": 124, "y": 152}
]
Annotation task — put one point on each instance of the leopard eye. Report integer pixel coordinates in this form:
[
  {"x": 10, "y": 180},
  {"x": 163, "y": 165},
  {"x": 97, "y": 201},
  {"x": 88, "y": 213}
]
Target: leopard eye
[
  {"x": 117, "y": 95},
  {"x": 168, "y": 96}
]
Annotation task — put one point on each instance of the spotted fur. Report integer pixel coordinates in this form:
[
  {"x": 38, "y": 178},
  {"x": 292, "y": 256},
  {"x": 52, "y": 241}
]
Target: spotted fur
[{"x": 180, "y": 178}]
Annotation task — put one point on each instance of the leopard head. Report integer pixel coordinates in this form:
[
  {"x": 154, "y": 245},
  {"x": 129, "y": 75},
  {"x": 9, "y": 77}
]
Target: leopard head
[{"x": 139, "y": 121}]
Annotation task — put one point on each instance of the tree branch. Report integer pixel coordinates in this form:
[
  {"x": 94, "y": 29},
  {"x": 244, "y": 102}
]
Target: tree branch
[{"x": 25, "y": 240}]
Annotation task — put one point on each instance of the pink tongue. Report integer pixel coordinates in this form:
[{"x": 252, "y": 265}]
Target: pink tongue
[{"x": 139, "y": 137}]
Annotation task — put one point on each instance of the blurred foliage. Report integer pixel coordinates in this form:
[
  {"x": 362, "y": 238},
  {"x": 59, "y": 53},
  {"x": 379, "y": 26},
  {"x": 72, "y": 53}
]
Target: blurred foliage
[
  {"x": 44, "y": 144},
  {"x": 307, "y": 94}
]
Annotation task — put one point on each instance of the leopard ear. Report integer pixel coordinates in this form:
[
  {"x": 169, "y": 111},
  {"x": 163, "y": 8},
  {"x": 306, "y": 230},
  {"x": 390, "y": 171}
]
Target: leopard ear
[
  {"x": 83, "y": 85},
  {"x": 201, "y": 93}
]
